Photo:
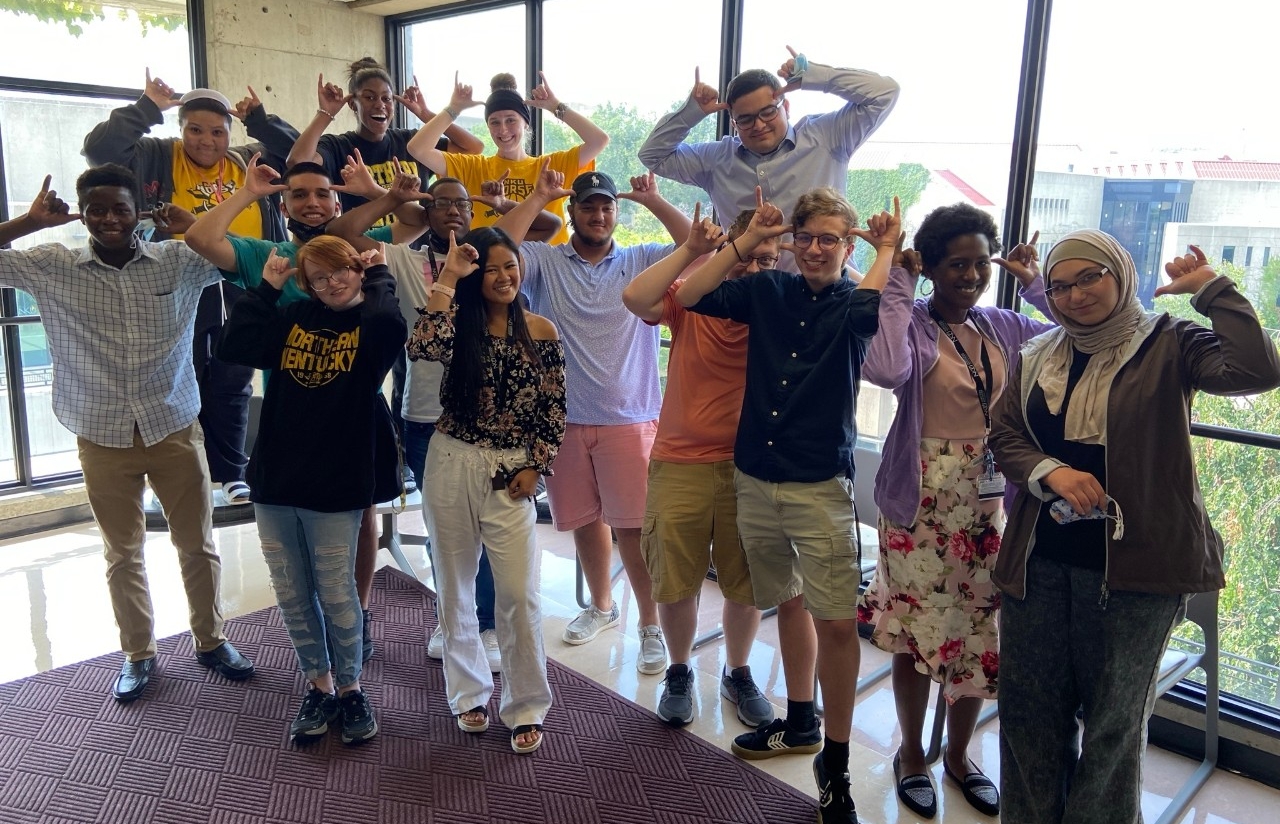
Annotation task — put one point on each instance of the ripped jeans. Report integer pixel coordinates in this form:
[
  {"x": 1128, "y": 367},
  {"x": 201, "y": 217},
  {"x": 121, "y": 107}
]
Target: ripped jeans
[{"x": 311, "y": 556}]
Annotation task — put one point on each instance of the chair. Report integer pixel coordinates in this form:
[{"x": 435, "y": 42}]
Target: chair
[{"x": 1202, "y": 610}]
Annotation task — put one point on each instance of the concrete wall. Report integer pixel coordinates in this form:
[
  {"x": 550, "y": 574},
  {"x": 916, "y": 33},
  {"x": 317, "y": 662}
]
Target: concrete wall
[
  {"x": 1213, "y": 237},
  {"x": 1235, "y": 202},
  {"x": 1083, "y": 208},
  {"x": 280, "y": 46}
]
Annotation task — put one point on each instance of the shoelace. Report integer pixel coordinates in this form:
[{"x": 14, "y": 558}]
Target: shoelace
[
  {"x": 745, "y": 687},
  {"x": 679, "y": 684}
]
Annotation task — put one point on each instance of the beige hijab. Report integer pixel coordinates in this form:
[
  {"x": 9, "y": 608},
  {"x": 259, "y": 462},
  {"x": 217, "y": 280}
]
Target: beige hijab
[{"x": 1107, "y": 341}]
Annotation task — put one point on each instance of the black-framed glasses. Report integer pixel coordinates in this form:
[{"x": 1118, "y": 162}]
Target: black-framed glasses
[
  {"x": 761, "y": 261},
  {"x": 322, "y": 283},
  {"x": 765, "y": 115},
  {"x": 444, "y": 204},
  {"x": 803, "y": 240},
  {"x": 1084, "y": 283}
]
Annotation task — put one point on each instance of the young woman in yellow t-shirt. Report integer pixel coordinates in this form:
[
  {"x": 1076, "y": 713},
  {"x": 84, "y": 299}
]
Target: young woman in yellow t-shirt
[{"x": 508, "y": 118}]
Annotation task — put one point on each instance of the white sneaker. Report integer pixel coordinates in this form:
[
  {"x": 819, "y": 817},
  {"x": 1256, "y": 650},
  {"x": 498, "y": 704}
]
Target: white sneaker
[
  {"x": 590, "y": 623},
  {"x": 435, "y": 644},
  {"x": 490, "y": 640},
  {"x": 653, "y": 651}
]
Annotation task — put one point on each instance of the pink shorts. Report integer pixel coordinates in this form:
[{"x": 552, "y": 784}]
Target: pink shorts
[{"x": 601, "y": 471}]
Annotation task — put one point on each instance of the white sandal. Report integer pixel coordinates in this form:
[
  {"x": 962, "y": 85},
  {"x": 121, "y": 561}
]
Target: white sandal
[{"x": 236, "y": 493}]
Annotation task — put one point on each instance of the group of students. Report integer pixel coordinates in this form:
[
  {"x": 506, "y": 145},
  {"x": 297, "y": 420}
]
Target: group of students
[{"x": 537, "y": 358}]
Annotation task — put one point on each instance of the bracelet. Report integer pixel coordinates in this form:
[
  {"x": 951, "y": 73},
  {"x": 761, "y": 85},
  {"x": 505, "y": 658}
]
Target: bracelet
[
  {"x": 559, "y": 110},
  {"x": 734, "y": 244},
  {"x": 449, "y": 111},
  {"x": 331, "y": 117},
  {"x": 447, "y": 291}
]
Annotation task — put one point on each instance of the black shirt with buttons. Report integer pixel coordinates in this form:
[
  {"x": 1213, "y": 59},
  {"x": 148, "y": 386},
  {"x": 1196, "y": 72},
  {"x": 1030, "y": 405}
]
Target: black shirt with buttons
[{"x": 804, "y": 364}]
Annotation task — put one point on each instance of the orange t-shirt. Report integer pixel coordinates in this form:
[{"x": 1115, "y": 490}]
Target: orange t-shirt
[{"x": 706, "y": 379}]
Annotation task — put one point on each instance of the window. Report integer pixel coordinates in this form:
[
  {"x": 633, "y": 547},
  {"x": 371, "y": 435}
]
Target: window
[{"x": 1228, "y": 254}]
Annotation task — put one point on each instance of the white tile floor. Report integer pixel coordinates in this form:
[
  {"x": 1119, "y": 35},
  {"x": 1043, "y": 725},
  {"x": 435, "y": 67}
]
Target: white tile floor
[{"x": 55, "y": 611}]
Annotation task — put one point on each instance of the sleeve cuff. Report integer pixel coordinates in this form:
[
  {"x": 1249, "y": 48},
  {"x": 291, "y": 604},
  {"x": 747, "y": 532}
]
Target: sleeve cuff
[{"x": 1042, "y": 469}]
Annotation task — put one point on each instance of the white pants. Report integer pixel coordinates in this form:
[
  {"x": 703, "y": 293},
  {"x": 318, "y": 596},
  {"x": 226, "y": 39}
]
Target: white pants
[{"x": 464, "y": 510}]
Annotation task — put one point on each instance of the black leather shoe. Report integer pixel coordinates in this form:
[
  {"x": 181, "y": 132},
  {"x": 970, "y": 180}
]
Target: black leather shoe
[
  {"x": 134, "y": 677},
  {"x": 227, "y": 661}
]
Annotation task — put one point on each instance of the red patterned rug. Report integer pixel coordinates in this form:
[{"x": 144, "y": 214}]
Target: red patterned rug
[{"x": 200, "y": 750}]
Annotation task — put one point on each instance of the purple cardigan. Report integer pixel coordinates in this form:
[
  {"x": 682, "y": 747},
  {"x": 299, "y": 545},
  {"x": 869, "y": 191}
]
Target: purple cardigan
[{"x": 905, "y": 348}]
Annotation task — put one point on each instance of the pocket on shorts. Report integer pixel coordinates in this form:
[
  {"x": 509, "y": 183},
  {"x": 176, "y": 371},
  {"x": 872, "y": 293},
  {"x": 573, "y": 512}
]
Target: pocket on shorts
[{"x": 650, "y": 546}]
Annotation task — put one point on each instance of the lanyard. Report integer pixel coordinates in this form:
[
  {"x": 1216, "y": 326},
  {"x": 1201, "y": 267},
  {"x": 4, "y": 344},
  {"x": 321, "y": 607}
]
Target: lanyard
[{"x": 984, "y": 397}]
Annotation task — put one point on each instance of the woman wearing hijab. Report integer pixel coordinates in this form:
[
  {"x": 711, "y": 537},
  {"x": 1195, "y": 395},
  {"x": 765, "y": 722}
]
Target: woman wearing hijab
[{"x": 1108, "y": 535}]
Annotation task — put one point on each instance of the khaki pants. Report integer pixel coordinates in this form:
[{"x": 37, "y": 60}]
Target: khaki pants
[{"x": 114, "y": 479}]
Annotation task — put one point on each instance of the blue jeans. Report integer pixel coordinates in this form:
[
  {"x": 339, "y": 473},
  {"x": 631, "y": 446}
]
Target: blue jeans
[
  {"x": 416, "y": 437},
  {"x": 312, "y": 557},
  {"x": 1060, "y": 651}
]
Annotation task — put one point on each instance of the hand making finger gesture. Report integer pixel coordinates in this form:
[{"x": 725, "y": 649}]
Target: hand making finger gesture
[
  {"x": 277, "y": 270},
  {"x": 542, "y": 97},
  {"x": 48, "y": 210},
  {"x": 411, "y": 98},
  {"x": 261, "y": 180},
  {"x": 1187, "y": 274},
  {"x": 1022, "y": 261},
  {"x": 246, "y": 106},
  {"x": 883, "y": 230},
  {"x": 373, "y": 257},
  {"x": 331, "y": 97},
  {"x": 791, "y": 71},
  {"x": 550, "y": 184},
  {"x": 705, "y": 95},
  {"x": 406, "y": 187},
  {"x": 704, "y": 236},
  {"x": 493, "y": 193},
  {"x": 767, "y": 222},
  {"x": 171, "y": 218},
  {"x": 160, "y": 93},
  {"x": 357, "y": 178},
  {"x": 644, "y": 190},
  {"x": 461, "y": 260},
  {"x": 461, "y": 98}
]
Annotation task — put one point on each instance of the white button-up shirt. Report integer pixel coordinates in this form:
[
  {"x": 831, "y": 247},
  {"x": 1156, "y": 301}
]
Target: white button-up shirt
[{"x": 120, "y": 339}]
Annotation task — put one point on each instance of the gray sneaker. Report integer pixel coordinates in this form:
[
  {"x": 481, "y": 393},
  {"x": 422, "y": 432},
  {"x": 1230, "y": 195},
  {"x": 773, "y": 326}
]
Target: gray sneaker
[
  {"x": 589, "y": 623},
  {"x": 754, "y": 709},
  {"x": 676, "y": 704}
]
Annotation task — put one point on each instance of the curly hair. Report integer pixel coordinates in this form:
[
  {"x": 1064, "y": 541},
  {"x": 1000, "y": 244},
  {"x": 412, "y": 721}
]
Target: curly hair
[
  {"x": 946, "y": 223},
  {"x": 822, "y": 202},
  {"x": 108, "y": 174}
]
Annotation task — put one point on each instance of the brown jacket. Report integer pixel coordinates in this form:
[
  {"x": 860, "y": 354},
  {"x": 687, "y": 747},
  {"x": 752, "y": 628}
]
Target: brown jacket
[{"x": 1169, "y": 546}]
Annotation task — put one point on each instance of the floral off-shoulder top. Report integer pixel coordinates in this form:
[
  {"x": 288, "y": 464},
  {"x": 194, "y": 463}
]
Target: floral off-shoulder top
[{"x": 521, "y": 404}]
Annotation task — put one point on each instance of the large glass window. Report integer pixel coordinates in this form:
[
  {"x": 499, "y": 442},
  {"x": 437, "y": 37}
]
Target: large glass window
[{"x": 1144, "y": 162}]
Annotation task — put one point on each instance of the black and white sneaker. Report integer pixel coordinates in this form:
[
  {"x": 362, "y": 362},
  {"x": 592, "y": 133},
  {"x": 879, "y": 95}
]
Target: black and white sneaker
[
  {"x": 318, "y": 711},
  {"x": 676, "y": 704},
  {"x": 835, "y": 805},
  {"x": 358, "y": 724},
  {"x": 776, "y": 738}
]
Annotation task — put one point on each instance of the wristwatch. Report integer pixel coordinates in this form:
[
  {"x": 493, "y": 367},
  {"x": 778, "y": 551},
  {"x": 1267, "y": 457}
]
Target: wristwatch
[{"x": 560, "y": 109}]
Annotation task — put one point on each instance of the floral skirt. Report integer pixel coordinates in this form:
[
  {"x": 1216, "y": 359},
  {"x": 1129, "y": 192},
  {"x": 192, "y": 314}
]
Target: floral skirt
[{"x": 932, "y": 596}]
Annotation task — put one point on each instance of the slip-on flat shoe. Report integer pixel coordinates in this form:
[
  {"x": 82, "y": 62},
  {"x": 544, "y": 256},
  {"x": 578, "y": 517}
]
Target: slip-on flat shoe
[
  {"x": 915, "y": 791},
  {"x": 979, "y": 791},
  {"x": 227, "y": 661},
  {"x": 134, "y": 677}
]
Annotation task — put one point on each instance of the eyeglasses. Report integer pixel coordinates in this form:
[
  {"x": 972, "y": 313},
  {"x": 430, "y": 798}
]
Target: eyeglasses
[
  {"x": 1084, "y": 283},
  {"x": 322, "y": 283},
  {"x": 444, "y": 204},
  {"x": 765, "y": 115},
  {"x": 803, "y": 240},
  {"x": 761, "y": 261}
]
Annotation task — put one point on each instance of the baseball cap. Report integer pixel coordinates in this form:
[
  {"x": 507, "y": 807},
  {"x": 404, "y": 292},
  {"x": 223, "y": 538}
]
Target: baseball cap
[
  {"x": 593, "y": 183},
  {"x": 207, "y": 94}
]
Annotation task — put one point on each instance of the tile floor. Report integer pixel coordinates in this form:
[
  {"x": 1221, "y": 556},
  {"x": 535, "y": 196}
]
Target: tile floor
[{"x": 54, "y": 608}]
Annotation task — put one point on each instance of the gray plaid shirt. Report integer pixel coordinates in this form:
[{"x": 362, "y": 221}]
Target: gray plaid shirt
[{"x": 120, "y": 339}]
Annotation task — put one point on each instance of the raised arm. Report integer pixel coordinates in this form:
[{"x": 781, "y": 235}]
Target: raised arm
[
  {"x": 888, "y": 362},
  {"x": 546, "y": 224},
  {"x": 550, "y": 186},
  {"x": 884, "y": 232},
  {"x": 351, "y": 226},
  {"x": 116, "y": 139},
  {"x": 765, "y": 224},
  {"x": 423, "y": 144},
  {"x": 594, "y": 139},
  {"x": 275, "y": 138},
  {"x": 253, "y": 335},
  {"x": 331, "y": 100},
  {"x": 47, "y": 211},
  {"x": 461, "y": 141},
  {"x": 664, "y": 152},
  {"x": 432, "y": 337},
  {"x": 869, "y": 99},
  {"x": 1023, "y": 262},
  {"x": 208, "y": 236},
  {"x": 644, "y": 295},
  {"x": 644, "y": 190}
]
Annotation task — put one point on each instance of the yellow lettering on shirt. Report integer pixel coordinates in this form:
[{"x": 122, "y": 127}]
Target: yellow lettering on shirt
[
  {"x": 198, "y": 190},
  {"x": 317, "y": 357}
]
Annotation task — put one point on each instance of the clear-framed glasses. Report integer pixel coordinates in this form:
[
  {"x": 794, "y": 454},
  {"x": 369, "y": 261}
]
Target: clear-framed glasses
[
  {"x": 765, "y": 115},
  {"x": 444, "y": 204},
  {"x": 803, "y": 240},
  {"x": 322, "y": 283},
  {"x": 1084, "y": 283}
]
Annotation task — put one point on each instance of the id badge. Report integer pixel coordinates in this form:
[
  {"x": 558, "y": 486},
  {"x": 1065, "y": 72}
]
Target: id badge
[{"x": 991, "y": 486}]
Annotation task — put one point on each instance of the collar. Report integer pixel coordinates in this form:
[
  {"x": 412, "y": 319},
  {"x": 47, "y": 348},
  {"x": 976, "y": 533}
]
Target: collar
[
  {"x": 569, "y": 251},
  {"x": 143, "y": 249}
]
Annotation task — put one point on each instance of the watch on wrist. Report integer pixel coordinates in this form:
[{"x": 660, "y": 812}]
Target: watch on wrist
[{"x": 560, "y": 110}]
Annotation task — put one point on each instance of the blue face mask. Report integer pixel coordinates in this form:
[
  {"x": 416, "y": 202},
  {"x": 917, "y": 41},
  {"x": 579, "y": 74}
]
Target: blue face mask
[{"x": 305, "y": 232}]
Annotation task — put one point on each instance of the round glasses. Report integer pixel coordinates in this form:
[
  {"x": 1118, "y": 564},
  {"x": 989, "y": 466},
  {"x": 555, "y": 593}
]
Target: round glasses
[
  {"x": 803, "y": 240},
  {"x": 322, "y": 283}
]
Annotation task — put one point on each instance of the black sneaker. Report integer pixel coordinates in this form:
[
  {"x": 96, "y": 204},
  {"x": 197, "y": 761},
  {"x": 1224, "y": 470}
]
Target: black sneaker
[
  {"x": 318, "y": 711},
  {"x": 676, "y": 704},
  {"x": 738, "y": 686},
  {"x": 835, "y": 805},
  {"x": 776, "y": 738},
  {"x": 366, "y": 649},
  {"x": 358, "y": 724}
]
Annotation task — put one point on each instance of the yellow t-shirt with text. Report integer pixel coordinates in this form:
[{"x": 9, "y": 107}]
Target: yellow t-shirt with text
[
  {"x": 198, "y": 190},
  {"x": 474, "y": 170}
]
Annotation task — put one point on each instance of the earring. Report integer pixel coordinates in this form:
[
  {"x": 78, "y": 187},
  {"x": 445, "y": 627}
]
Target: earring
[{"x": 929, "y": 282}]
